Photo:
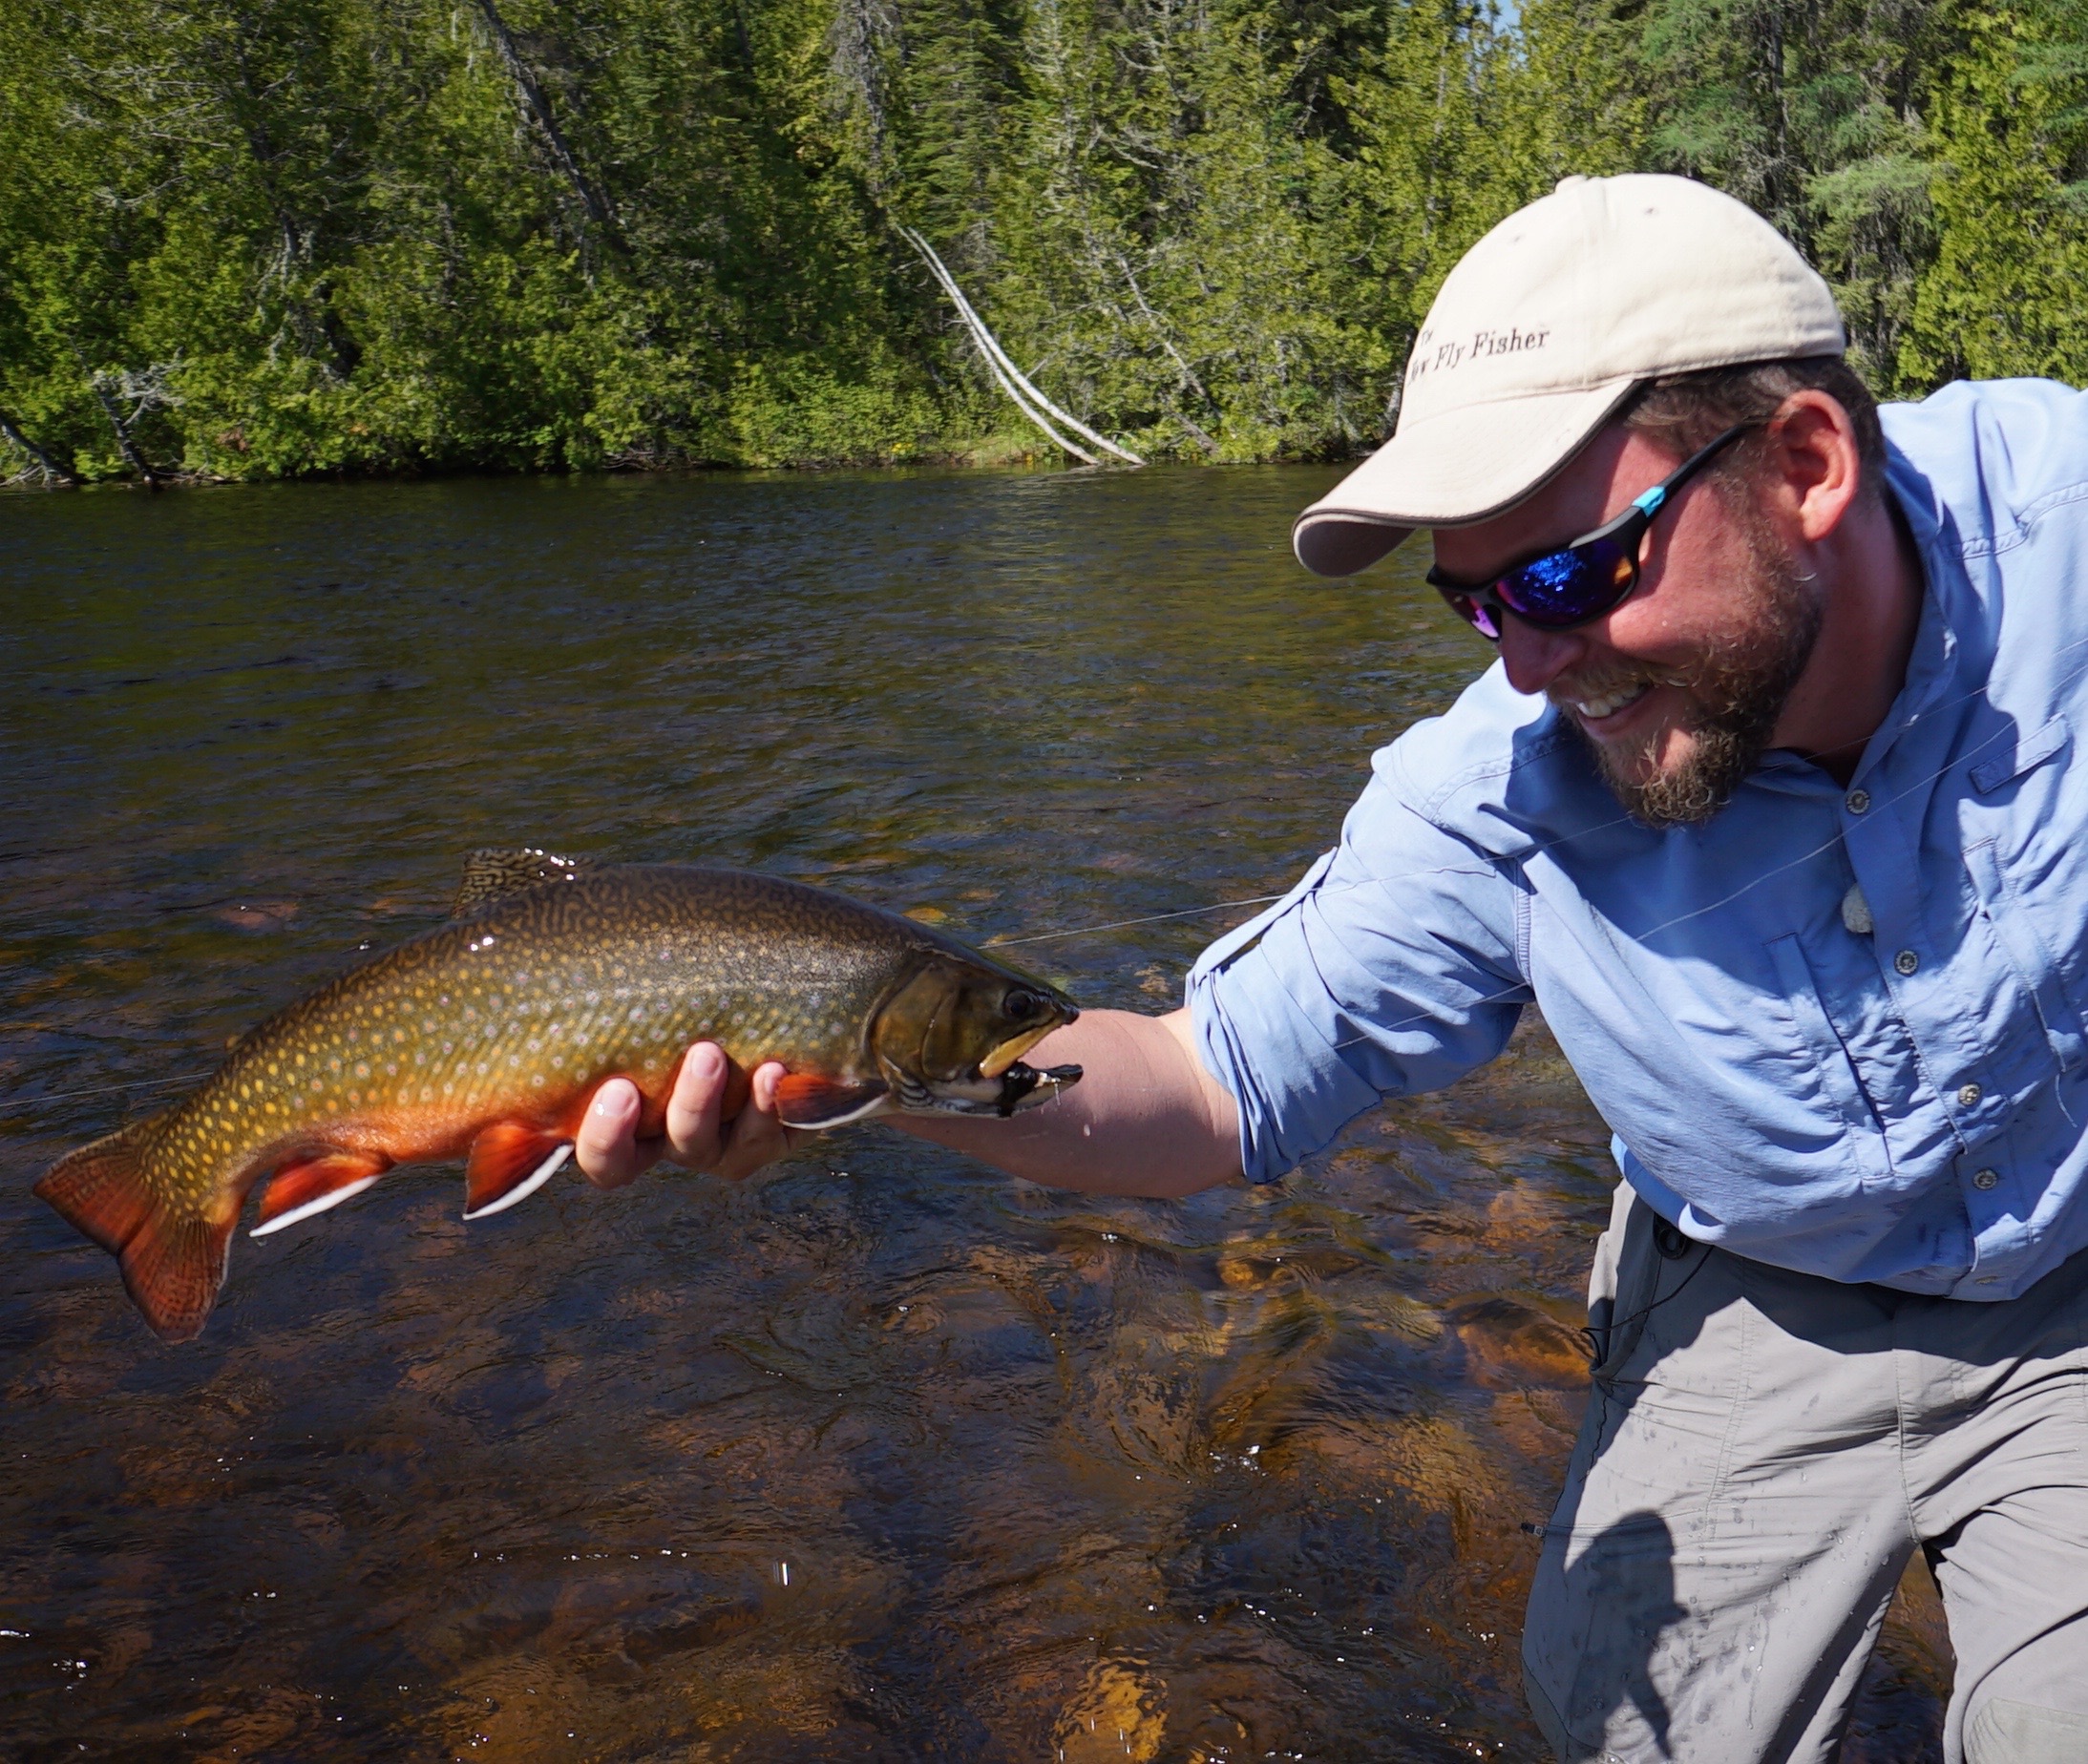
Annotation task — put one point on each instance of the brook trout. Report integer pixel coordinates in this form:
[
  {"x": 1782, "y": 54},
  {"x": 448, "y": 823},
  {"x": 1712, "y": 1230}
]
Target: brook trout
[{"x": 491, "y": 1035}]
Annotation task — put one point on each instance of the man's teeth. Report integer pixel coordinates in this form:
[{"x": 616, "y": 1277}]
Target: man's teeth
[{"x": 1610, "y": 704}]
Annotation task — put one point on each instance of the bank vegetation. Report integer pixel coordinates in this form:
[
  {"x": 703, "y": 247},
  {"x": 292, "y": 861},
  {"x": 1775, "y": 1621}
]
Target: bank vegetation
[{"x": 266, "y": 238}]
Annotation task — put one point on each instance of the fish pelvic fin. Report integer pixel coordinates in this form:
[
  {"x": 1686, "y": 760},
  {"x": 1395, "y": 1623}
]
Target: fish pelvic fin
[
  {"x": 173, "y": 1262},
  {"x": 510, "y": 1162},
  {"x": 493, "y": 872},
  {"x": 309, "y": 1187},
  {"x": 816, "y": 1103}
]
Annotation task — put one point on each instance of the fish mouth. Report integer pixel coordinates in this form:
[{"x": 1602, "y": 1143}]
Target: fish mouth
[
  {"x": 1004, "y": 1057},
  {"x": 1025, "y": 1086},
  {"x": 1017, "y": 1086}
]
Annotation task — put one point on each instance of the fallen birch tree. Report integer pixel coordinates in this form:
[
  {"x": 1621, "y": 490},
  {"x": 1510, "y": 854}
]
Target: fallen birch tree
[{"x": 1020, "y": 391}]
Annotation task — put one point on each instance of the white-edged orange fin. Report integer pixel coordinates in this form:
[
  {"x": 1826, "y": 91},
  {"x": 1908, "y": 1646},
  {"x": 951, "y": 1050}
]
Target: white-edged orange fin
[
  {"x": 816, "y": 1103},
  {"x": 299, "y": 1191},
  {"x": 510, "y": 1162}
]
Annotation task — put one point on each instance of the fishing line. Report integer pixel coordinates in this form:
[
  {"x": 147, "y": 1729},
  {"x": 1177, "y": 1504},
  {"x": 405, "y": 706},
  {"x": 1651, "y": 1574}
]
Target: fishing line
[
  {"x": 1503, "y": 996},
  {"x": 1151, "y": 919},
  {"x": 135, "y": 1083},
  {"x": 1549, "y": 845},
  {"x": 1825, "y": 845}
]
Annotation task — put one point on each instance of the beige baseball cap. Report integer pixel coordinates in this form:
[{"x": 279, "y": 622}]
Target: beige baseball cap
[{"x": 1544, "y": 327}]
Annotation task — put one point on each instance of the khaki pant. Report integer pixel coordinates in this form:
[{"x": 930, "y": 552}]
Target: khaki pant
[{"x": 1763, "y": 1452}]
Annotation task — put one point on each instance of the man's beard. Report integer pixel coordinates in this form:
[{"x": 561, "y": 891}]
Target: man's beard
[{"x": 1736, "y": 693}]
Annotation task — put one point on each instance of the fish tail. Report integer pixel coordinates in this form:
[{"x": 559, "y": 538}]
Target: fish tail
[{"x": 173, "y": 1262}]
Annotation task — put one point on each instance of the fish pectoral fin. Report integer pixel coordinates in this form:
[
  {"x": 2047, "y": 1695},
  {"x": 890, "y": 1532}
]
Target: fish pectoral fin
[
  {"x": 491, "y": 874},
  {"x": 308, "y": 1186},
  {"x": 510, "y": 1162},
  {"x": 816, "y": 1103}
]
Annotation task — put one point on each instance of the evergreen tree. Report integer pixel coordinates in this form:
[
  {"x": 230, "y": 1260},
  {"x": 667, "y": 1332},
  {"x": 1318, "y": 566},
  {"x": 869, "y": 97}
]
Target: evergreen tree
[
  {"x": 2010, "y": 123},
  {"x": 246, "y": 237}
]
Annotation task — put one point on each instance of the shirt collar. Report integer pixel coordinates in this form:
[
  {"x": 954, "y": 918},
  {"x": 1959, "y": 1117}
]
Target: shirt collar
[{"x": 1932, "y": 665}]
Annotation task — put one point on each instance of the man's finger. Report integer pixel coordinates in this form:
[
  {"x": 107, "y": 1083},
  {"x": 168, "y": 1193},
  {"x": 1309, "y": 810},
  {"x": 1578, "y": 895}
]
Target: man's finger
[
  {"x": 757, "y": 1135},
  {"x": 696, "y": 1109},
  {"x": 607, "y": 1147}
]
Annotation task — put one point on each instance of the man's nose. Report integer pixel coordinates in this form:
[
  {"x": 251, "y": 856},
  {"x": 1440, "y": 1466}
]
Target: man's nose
[{"x": 1536, "y": 657}]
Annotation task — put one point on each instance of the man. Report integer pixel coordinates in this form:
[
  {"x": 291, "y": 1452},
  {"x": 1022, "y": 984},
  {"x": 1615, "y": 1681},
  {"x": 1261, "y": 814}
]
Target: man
[{"x": 1768, "y": 806}]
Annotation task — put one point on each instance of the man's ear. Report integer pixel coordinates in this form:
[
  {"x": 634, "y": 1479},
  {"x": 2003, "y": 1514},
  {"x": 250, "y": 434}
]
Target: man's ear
[{"x": 1814, "y": 462}]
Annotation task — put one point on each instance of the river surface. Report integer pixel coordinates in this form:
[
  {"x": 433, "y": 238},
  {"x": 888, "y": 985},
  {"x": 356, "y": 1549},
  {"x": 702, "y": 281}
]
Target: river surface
[{"x": 879, "y": 1455}]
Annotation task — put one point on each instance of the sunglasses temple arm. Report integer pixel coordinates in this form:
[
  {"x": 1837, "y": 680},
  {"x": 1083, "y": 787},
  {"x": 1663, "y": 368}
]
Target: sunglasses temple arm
[{"x": 1697, "y": 461}]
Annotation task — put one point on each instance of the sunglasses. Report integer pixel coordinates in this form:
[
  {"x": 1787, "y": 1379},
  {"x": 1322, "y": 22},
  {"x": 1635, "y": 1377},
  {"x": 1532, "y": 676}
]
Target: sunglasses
[{"x": 1557, "y": 590}]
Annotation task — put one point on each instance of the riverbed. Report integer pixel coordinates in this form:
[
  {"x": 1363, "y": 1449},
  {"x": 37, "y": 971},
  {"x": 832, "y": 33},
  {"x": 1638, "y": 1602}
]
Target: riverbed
[{"x": 879, "y": 1455}]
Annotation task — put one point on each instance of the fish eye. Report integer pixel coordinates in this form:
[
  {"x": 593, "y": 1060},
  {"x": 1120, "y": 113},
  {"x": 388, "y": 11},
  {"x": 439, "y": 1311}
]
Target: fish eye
[{"x": 1021, "y": 1002}]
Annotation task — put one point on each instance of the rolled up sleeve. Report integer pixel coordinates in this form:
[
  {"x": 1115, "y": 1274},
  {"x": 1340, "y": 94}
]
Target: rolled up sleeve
[{"x": 1392, "y": 967}]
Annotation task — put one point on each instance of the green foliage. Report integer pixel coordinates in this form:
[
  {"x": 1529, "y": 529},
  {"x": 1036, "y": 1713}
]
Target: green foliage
[
  {"x": 1813, "y": 113},
  {"x": 2011, "y": 129},
  {"x": 264, "y": 238}
]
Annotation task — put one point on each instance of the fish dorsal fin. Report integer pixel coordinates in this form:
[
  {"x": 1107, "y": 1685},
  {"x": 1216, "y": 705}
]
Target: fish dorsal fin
[{"x": 493, "y": 873}]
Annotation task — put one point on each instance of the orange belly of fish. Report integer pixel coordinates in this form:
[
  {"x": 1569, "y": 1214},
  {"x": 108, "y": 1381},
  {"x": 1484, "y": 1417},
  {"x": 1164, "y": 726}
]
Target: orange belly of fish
[{"x": 511, "y": 1146}]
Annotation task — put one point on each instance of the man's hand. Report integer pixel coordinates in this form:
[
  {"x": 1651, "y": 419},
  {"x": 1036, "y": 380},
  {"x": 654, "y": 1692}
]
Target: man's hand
[
  {"x": 1145, "y": 1119},
  {"x": 698, "y": 1134}
]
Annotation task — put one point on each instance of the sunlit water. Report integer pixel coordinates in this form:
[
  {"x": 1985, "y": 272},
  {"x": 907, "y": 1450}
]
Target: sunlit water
[{"x": 881, "y": 1455}]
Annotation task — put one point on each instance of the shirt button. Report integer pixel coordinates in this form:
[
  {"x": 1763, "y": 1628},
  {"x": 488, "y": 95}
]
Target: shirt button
[
  {"x": 1985, "y": 1179},
  {"x": 1968, "y": 1095},
  {"x": 1906, "y": 961},
  {"x": 1857, "y": 801}
]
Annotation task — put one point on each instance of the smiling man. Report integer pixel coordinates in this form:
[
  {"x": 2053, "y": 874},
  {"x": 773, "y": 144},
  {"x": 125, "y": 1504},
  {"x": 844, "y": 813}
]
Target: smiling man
[{"x": 1768, "y": 805}]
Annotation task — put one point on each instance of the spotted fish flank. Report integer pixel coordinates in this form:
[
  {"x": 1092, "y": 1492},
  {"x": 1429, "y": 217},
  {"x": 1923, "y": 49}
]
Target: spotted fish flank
[{"x": 491, "y": 1035}]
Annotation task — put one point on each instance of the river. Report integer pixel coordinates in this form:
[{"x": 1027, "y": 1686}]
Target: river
[{"x": 879, "y": 1455}]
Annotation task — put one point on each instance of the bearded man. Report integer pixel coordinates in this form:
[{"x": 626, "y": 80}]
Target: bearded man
[{"x": 1766, "y": 803}]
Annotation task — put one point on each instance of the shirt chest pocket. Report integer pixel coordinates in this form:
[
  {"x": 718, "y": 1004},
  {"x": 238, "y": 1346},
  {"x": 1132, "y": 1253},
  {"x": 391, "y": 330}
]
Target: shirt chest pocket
[
  {"x": 2026, "y": 877},
  {"x": 2028, "y": 952},
  {"x": 1991, "y": 776},
  {"x": 1842, "y": 1091}
]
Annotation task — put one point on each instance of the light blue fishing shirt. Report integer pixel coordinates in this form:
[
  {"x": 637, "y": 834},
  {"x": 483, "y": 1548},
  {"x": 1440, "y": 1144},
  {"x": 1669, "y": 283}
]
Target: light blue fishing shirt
[{"x": 1903, "y": 1105}]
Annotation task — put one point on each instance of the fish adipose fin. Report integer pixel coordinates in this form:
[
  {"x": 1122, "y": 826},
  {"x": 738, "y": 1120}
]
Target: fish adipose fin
[
  {"x": 311, "y": 1186},
  {"x": 493, "y": 873},
  {"x": 816, "y": 1103},
  {"x": 510, "y": 1162},
  {"x": 173, "y": 1264}
]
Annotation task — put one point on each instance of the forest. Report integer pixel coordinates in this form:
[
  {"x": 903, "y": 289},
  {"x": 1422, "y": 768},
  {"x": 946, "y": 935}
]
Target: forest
[{"x": 244, "y": 238}]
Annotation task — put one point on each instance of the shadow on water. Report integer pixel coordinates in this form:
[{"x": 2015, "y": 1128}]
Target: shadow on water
[{"x": 880, "y": 1455}]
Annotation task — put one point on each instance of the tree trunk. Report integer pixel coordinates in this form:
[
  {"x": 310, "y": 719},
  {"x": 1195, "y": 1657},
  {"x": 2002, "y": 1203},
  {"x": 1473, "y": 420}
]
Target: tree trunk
[
  {"x": 125, "y": 446},
  {"x": 1011, "y": 377},
  {"x": 537, "y": 105},
  {"x": 53, "y": 471}
]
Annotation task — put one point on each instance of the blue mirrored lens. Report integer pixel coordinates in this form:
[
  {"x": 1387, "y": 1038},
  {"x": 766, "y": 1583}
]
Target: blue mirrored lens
[{"x": 1564, "y": 587}]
